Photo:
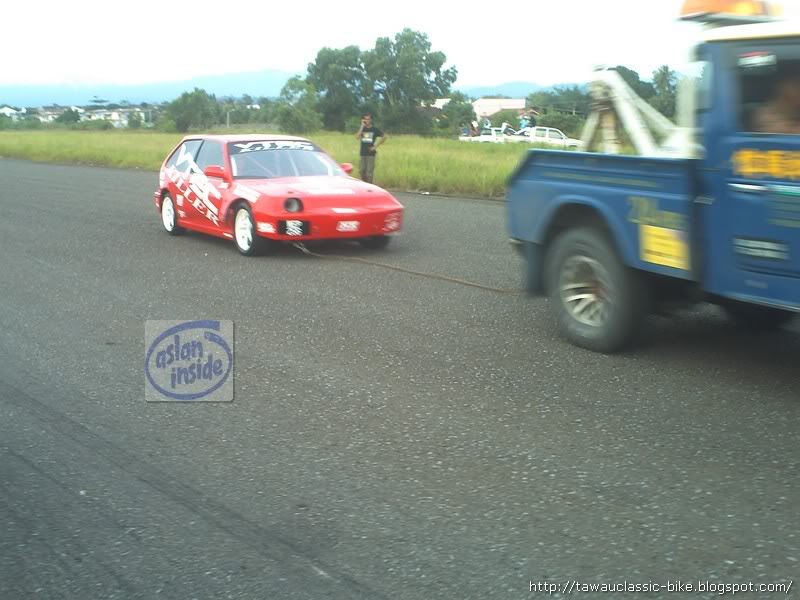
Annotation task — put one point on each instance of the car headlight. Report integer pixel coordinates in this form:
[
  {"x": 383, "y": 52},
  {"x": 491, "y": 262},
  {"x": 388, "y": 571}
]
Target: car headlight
[{"x": 292, "y": 205}]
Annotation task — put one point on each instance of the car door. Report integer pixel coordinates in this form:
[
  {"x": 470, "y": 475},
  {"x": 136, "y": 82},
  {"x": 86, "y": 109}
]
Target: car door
[
  {"x": 556, "y": 138},
  {"x": 754, "y": 216},
  {"x": 177, "y": 171},
  {"x": 540, "y": 136},
  {"x": 205, "y": 193}
]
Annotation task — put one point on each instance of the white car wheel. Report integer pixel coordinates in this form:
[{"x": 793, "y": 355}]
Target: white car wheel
[
  {"x": 244, "y": 230},
  {"x": 244, "y": 233},
  {"x": 169, "y": 218}
]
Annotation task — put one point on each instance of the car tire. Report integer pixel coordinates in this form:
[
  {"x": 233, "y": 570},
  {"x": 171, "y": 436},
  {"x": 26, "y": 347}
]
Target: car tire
[
  {"x": 599, "y": 302},
  {"x": 247, "y": 241},
  {"x": 169, "y": 216},
  {"x": 755, "y": 317},
  {"x": 376, "y": 242}
]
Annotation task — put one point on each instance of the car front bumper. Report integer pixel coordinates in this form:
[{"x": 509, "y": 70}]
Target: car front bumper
[{"x": 303, "y": 226}]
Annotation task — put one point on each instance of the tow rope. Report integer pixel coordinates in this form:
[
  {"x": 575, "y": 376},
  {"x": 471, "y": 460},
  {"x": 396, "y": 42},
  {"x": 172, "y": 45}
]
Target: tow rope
[{"x": 300, "y": 246}]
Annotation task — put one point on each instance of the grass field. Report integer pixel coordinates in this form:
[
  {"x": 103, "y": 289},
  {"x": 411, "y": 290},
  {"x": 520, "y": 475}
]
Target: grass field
[{"x": 405, "y": 162}]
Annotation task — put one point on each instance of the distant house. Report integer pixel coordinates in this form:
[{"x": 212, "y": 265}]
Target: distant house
[
  {"x": 118, "y": 117},
  {"x": 9, "y": 112},
  {"x": 48, "y": 114},
  {"x": 486, "y": 107}
]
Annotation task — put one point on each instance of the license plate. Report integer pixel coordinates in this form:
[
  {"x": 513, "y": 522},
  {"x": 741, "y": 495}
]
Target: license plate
[
  {"x": 292, "y": 227},
  {"x": 347, "y": 226}
]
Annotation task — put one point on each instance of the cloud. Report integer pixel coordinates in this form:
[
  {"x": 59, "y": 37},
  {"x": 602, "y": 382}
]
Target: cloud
[{"x": 91, "y": 42}]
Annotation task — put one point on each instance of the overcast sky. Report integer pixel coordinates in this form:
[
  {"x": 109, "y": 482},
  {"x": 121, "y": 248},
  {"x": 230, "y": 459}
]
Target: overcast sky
[{"x": 94, "y": 42}]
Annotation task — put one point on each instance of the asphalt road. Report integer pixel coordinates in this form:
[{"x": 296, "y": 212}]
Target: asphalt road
[{"x": 391, "y": 436}]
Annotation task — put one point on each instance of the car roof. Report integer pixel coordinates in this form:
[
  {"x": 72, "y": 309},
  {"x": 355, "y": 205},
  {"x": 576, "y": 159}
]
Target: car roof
[{"x": 244, "y": 137}]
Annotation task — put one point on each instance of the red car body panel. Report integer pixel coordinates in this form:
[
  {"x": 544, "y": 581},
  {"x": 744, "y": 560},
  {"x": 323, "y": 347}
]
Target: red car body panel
[{"x": 333, "y": 206}]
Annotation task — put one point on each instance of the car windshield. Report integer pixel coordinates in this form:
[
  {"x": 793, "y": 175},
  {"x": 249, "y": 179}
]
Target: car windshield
[{"x": 271, "y": 159}]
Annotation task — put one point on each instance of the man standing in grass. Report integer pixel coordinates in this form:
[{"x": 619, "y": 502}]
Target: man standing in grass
[{"x": 368, "y": 134}]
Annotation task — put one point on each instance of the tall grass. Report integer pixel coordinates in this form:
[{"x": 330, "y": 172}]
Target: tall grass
[{"x": 405, "y": 162}]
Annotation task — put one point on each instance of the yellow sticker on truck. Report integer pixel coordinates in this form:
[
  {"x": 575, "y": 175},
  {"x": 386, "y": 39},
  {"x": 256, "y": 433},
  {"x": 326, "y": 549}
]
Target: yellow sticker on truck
[
  {"x": 775, "y": 164},
  {"x": 663, "y": 246}
]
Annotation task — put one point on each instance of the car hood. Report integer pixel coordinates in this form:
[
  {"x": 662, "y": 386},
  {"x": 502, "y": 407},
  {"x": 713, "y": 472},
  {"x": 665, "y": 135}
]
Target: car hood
[{"x": 316, "y": 192}]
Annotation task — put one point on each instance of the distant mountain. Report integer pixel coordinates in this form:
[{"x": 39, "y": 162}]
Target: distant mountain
[
  {"x": 514, "y": 89},
  {"x": 258, "y": 83}
]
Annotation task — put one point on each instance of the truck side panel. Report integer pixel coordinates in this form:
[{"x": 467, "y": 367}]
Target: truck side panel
[{"x": 645, "y": 203}]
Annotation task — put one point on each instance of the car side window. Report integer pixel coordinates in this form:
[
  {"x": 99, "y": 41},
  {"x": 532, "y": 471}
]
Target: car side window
[
  {"x": 556, "y": 135},
  {"x": 191, "y": 146},
  {"x": 210, "y": 154},
  {"x": 540, "y": 132}
]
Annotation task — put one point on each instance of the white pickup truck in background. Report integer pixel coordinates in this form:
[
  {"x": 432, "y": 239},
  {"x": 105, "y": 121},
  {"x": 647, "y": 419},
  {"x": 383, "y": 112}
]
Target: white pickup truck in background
[
  {"x": 492, "y": 135},
  {"x": 534, "y": 135},
  {"x": 545, "y": 135}
]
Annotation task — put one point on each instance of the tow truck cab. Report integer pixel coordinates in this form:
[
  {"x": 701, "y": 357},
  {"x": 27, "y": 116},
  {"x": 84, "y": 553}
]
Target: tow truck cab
[{"x": 608, "y": 236}]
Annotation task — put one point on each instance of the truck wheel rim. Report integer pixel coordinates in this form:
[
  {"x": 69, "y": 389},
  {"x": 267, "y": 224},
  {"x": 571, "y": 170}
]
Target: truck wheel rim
[
  {"x": 244, "y": 230},
  {"x": 586, "y": 290},
  {"x": 168, "y": 215}
]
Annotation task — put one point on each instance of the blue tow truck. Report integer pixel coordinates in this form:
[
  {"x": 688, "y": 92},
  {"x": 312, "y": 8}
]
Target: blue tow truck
[{"x": 711, "y": 213}]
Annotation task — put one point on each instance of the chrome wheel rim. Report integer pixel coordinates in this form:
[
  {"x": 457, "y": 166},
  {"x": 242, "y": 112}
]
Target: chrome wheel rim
[
  {"x": 586, "y": 290},
  {"x": 244, "y": 230},
  {"x": 168, "y": 214}
]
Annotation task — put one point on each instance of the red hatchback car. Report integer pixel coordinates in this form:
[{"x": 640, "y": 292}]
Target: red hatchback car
[{"x": 262, "y": 189}]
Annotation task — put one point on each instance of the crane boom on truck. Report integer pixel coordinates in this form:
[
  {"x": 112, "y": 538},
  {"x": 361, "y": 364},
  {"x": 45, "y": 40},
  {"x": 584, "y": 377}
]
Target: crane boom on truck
[
  {"x": 708, "y": 211},
  {"x": 615, "y": 106},
  {"x": 614, "y": 103}
]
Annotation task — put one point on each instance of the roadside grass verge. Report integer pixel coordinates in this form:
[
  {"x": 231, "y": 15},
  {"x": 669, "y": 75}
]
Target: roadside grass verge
[{"x": 405, "y": 162}]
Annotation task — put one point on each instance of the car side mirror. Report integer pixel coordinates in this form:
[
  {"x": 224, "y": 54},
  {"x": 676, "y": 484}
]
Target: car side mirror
[
  {"x": 347, "y": 168},
  {"x": 215, "y": 171}
]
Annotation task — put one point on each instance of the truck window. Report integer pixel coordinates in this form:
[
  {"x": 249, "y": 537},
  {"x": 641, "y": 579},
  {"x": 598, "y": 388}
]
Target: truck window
[
  {"x": 769, "y": 92},
  {"x": 555, "y": 135},
  {"x": 540, "y": 132}
]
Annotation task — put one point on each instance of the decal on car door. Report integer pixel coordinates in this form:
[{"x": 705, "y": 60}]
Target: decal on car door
[{"x": 197, "y": 189}]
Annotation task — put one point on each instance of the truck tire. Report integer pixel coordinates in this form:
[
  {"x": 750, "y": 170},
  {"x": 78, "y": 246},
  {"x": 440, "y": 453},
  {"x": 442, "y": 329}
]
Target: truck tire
[
  {"x": 755, "y": 317},
  {"x": 600, "y": 303}
]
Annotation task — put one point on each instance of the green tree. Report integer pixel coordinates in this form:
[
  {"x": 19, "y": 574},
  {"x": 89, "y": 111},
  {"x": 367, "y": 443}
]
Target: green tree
[
  {"x": 563, "y": 99},
  {"x": 264, "y": 114},
  {"x": 644, "y": 89},
  {"x": 404, "y": 73},
  {"x": 31, "y": 123},
  {"x": 195, "y": 109},
  {"x": 458, "y": 111},
  {"x": 134, "y": 120},
  {"x": 234, "y": 111},
  {"x": 665, "y": 82},
  {"x": 505, "y": 116},
  {"x": 571, "y": 125},
  {"x": 338, "y": 76},
  {"x": 296, "y": 110},
  {"x": 69, "y": 116},
  {"x": 542, "y": 99}
]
